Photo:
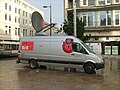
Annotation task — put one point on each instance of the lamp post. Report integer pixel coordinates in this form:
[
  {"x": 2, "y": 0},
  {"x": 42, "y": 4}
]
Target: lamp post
[
  {"x": 50, "y": 16},
  {"x": 74, "y": 8}
]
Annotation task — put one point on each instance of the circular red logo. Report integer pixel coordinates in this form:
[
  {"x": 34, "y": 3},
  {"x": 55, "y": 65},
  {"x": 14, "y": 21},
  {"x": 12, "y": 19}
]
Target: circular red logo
[{"x": 67, "y": 47}]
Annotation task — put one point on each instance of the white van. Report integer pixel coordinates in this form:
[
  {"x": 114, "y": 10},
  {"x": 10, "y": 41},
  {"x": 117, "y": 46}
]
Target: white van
[{"x": 66, "y": 51}]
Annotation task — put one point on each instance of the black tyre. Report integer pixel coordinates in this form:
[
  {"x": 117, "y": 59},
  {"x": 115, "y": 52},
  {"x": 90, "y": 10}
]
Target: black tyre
[
  {"x": 89, "y": 68},
  {"x": 33, "y": 64}
]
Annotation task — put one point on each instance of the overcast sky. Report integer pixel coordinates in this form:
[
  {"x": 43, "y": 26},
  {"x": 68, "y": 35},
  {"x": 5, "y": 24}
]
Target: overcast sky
[{"x": 57, "y": 9}]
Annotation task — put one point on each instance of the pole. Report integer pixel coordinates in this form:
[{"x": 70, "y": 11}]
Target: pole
[
  {"x": 50, "y": 19},
  {"x": 50, "y": 7},
  {"x": 74, "y": 7}
]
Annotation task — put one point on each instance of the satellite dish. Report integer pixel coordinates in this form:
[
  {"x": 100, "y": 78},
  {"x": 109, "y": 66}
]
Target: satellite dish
[{"x": 37, "y": 21}]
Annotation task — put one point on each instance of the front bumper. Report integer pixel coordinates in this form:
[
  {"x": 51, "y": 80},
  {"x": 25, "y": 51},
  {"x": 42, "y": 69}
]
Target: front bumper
[{"x": 99, "y": 65}]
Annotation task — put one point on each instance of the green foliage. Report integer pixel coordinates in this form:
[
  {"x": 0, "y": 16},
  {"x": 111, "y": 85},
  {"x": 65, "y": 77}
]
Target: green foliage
[{"x": 69, "y": 27}]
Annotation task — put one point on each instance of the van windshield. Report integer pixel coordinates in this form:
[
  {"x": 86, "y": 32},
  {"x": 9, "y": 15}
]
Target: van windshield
[{"x": 91, "y": 51}]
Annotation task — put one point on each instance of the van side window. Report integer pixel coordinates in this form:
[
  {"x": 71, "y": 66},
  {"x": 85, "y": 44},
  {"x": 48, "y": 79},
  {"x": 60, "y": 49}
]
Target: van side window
[{"x": 78, "y": 48}]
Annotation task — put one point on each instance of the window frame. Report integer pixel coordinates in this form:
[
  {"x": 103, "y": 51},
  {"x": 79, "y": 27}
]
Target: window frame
[
  {"x": 9, "y": 7},
  {"x": 5, "y": 16},
  {"x": 6, "y": 6},
  {"x": 82, "y": 50}
]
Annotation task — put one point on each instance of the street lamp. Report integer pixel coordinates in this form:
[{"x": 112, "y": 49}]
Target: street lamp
[
  {"x": 74, "y": 8},
  {"x": 50, "y": 16}
]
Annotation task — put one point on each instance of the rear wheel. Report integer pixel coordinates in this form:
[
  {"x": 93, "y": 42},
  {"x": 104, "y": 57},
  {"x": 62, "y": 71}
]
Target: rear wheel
[
  {"x": 33, "y": 64},
  {"x": 89, "y": 68}
]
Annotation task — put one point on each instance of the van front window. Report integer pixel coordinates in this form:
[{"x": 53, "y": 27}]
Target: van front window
[{"x": 78, "y": 48}]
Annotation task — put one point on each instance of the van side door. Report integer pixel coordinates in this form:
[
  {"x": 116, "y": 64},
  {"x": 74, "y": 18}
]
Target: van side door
[{"x": 41, "y": 50}]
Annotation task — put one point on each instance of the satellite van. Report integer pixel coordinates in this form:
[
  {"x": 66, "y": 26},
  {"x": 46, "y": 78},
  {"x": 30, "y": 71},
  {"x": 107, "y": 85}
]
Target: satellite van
[{"x": 64, "y": 51}]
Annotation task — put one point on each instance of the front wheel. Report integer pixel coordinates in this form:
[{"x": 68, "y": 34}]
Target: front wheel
[
  {"x": 33, "y": 64},
  {"x": 89, "y": 68}
]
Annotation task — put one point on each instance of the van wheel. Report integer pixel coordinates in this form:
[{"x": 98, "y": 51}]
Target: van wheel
[
  {"x": 89, "y": 68},
  {"x": 33, "y": 64}
]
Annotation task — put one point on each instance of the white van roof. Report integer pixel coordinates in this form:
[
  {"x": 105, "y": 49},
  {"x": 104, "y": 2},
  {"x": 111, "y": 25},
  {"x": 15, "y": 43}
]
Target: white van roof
[
  {"x": 48, "y": 37},
  {"x": 45, "y": 37}
]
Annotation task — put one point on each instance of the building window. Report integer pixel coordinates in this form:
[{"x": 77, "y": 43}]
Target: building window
[
  {"x": 23, "y": 32},
  {"x": 9, "y": 29},
  {"x": 9, "y": 7},
  {"x": 6, "y": 6},
  {"x": 84, "y": 2},
  {"x": 23, "y": 13},
  {"x": 15, "y": 31},
  {"x": 85, "y": 20},
  {"x": 15, "y": 19},
  {"x": 108, "y": 1},
  {"x": 101, "y": 2},
  {"x": 23, "y": 21},
  {"x": 117, "y": 15},
  {"x": 102, "y": 18},
  {"x": 70, "y": 5},
  {"x": 91, "y": 18},
  {"x": 77, "y": 3},
  {"x": 6, "y": 30},
  {"x": 116, "y": 19},
  {"x": 26, "y": 14},
  {"x": 9, "y": 17},
  {"x": 32, "y": 33},
  {"x": 26, "y": 22},
  {"x": 5, "y": 16},
  {"x": 26, "y": 32},
  {"x": 91, "y": 2},
  {"x": 88, "y": 18},
  {"x": 19, "y": 20},
  {"x": 15, "y": 10},
  {"x": 19, "y": 11},
  {"x": 116, "y": 1},
  {"x": 109, "y": 17},
  {"x": 19, "y": 31}
]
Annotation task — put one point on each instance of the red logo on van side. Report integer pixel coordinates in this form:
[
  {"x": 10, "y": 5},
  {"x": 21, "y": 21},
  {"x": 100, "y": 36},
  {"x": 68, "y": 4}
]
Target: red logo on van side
[
  {"x": 27, "y": 46},
  {"x": 67, "y": 46}
]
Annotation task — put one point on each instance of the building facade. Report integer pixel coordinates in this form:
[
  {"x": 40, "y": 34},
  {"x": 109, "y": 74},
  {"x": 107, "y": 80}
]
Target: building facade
[
  {"x": 15, "y": 19},
  {"x": 101, "y": 18}
]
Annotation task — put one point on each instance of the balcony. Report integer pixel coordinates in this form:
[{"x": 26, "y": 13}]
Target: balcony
[
  {"x": 94, "y": 8},
  {"x": 103, "y": 28}
]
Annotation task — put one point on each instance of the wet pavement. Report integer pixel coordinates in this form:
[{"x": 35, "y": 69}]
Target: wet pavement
[{"x": 20, "y": 77}]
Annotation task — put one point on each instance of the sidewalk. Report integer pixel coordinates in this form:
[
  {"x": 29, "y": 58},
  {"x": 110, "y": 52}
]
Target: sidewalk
[{"x": 111, "y": 56}]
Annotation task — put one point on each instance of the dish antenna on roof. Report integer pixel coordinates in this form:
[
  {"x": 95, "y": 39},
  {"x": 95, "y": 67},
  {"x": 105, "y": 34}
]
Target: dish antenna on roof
[{"x": 37, "y": 21}]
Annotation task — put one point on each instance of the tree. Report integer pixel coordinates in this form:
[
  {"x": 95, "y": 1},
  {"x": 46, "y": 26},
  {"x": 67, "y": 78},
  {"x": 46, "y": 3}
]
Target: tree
[{"x": 69, "y": 27}]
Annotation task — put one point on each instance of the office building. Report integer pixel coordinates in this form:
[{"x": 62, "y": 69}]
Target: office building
[
  {"x": 101, "y": 18},
  {"x": 15, "y": 19}
]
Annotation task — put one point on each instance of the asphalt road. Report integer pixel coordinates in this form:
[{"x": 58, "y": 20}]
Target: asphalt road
[{"x": 20, "y": 77}]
